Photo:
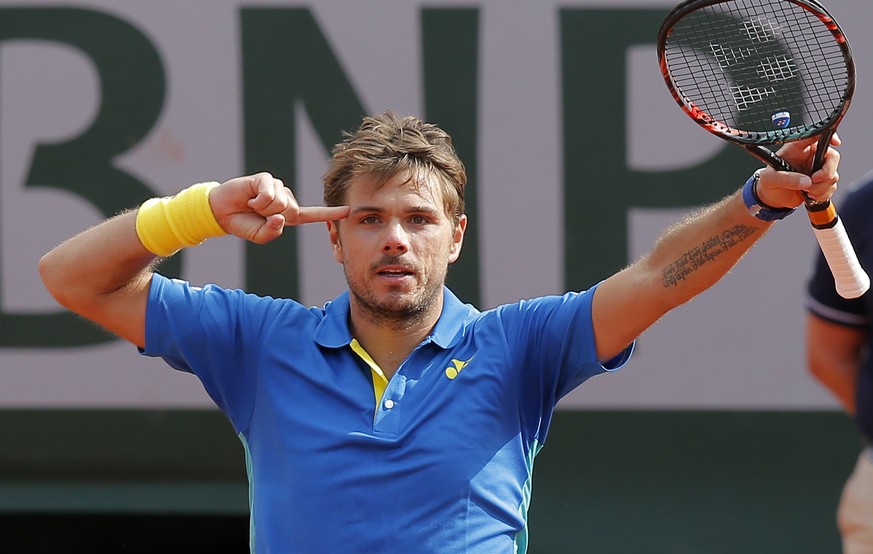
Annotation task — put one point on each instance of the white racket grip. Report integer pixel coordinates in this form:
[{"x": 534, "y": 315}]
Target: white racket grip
[{"x": 850, "y": 278}]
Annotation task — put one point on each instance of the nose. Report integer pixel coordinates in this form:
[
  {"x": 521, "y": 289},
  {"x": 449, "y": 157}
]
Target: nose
[{"x": 396, "y": 239}]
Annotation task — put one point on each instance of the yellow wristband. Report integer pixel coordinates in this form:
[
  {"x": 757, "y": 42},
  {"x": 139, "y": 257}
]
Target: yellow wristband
[{"x": 166, "y": 225}]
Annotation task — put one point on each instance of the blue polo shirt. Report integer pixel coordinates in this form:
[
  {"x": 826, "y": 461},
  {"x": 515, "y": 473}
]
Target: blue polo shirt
[
  {"x": 439, "y": 460},
  {"x": 822, "y": 298}
]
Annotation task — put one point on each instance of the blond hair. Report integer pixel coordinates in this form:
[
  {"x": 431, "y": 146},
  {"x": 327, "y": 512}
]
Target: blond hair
[{"x": 388, "y": 145}]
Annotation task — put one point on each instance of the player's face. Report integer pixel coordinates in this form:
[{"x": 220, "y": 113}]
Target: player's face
[{"x": 396, "y": 246}]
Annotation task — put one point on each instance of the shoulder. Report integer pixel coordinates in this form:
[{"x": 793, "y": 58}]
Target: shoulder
[
  {"x": 858, "y": 200},
  {"x": 211, "y": 297},
  {"x": 529, "y": 315},
  {"x": 547, "y": 303}
]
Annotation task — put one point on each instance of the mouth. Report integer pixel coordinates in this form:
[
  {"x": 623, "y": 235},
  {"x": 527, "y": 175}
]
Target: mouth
[{"x": 395, "y": 272}]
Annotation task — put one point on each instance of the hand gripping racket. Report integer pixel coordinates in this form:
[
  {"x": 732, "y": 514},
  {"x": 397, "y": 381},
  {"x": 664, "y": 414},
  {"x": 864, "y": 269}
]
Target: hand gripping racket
[{"x": 759, "y": 73}]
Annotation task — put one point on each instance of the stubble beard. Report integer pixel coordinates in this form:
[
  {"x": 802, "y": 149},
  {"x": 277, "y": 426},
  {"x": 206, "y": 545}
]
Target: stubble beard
[{"x": 396, "y": 311}]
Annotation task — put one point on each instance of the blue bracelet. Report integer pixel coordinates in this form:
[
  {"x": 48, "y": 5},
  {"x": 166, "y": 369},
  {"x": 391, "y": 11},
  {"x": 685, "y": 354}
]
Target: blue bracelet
[{"x": 758, "y": 208}]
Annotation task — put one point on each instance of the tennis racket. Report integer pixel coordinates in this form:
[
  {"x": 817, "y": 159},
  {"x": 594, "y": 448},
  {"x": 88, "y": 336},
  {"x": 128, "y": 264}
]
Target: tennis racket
[{"x": 759, "y": 73}]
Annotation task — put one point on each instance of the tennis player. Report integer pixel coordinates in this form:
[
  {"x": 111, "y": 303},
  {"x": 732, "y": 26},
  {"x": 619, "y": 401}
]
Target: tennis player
[
  {"x": 395, "y": 418},
  {"x": 838, "y": 346}
]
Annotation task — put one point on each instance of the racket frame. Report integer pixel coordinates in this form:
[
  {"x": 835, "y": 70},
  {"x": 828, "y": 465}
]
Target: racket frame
[{"x": 850, "y": 278}]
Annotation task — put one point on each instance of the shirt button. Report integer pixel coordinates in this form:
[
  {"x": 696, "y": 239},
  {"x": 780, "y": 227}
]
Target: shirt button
[{"x": 389, "y": 404}]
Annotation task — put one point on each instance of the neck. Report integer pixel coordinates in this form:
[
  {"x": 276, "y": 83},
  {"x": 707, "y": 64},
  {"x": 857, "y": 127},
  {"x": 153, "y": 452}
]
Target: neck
[{"x": 390, "y": 338}]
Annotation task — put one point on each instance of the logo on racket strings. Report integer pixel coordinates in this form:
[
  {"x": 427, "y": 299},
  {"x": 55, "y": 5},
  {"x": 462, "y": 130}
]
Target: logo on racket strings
[{"x": 781, "y": 119}]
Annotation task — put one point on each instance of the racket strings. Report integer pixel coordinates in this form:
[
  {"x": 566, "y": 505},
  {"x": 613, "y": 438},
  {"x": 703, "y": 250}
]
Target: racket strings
[{"x": 754, "y": 65}]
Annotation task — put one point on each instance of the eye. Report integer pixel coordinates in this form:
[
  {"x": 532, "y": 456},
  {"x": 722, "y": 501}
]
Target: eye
[
  {"x": 418, "y": 220},
  {"x": 370, "y": 220}
]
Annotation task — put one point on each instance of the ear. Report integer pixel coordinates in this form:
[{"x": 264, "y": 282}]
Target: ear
[
  {"x": 458, "y": 239},
  {"x": 335, "y": 243}
]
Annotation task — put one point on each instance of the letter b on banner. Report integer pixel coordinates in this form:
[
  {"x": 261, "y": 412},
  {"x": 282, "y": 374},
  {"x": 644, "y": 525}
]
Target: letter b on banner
[{"x": 132, "y": 94}]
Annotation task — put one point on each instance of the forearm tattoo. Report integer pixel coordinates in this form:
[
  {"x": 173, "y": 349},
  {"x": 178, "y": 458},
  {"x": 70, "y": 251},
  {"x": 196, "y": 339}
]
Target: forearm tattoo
[{"x": 698, "y": 256}]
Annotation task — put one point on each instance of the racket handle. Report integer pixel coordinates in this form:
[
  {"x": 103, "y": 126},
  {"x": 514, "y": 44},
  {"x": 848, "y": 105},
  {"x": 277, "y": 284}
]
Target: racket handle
[{"x": 849, "y": 277}]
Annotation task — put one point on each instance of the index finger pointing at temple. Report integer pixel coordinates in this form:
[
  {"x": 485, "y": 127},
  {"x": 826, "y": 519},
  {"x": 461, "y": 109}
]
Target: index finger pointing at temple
[{"x": 316, "y": 214}]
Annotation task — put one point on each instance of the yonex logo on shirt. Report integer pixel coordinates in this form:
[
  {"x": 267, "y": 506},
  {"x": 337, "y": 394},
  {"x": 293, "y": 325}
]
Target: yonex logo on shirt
[{"x": 457, "y": 365}]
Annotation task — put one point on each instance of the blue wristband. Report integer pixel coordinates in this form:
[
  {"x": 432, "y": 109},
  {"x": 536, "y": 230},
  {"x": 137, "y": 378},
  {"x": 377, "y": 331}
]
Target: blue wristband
[{"x": 758, "y": 208}]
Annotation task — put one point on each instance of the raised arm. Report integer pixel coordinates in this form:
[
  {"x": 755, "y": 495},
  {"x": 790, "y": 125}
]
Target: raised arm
[
  {"x": 695, "y": 253},
  {"x": 104, "y": 273}
]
